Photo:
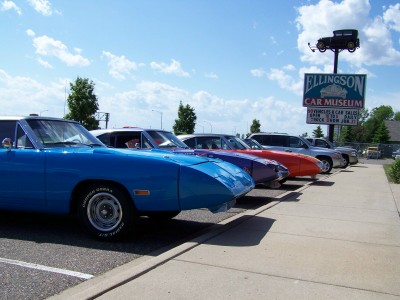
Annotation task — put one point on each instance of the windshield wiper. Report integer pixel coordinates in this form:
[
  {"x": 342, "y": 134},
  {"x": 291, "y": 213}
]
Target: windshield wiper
[{"x": 93, "y": 145}]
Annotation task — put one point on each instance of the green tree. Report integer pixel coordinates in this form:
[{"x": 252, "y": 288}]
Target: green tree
[
  {"x": 255, "y": 126},
  {"x": 347, "y": 134},
  {"x": 82, "y": 103},
  {"x": 186, "y": 121},
  {"x": 397, "y": 116},
  {"x": 359, "y": 130},
  {"x": 318, "y": 133},
  {"x": 376, "y": 117},
  {"x": 381, "y": 135},
  {"x": 383, "y": 112}
]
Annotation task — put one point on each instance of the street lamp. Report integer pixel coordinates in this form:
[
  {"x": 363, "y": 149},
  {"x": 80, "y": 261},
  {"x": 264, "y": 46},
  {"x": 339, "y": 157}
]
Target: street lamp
[
  {"x": 201, "y": 126},
  {"x": 65, "y": 96},
  {"x": 160, "y": 112},
  {"x": 209, "y": 124}
]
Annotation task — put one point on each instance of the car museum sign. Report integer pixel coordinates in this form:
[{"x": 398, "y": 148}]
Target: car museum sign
[
  {"x": 334, "y": 90},
  {"x": 332, "y": 116}
]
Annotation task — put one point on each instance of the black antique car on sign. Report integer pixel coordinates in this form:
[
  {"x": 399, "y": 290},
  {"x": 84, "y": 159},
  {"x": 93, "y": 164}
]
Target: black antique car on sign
[{"x": 342, "y": 39}]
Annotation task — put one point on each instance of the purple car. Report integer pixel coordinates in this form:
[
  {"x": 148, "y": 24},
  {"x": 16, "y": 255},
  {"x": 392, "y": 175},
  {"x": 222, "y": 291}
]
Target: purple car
[{"x": 263, "y": 171}]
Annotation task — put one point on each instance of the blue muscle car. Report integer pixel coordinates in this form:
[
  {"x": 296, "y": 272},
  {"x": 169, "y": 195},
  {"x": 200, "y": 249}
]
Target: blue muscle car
[
  {"x": 56, "y": 166},
  {"x": 263, "y": 171}
]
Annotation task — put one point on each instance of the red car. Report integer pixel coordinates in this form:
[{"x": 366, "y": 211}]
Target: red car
[{"x": 298, "y": 164}]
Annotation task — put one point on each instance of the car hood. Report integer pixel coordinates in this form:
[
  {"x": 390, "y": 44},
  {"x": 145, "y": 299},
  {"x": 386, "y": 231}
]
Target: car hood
[
  {"x": 344, "y": 149},
  {"x": 205, "y": 152},
  {"x": 293, "y": 154},
  {"x": 323, "y": 150},
  {"x": 156, "y": 154}
]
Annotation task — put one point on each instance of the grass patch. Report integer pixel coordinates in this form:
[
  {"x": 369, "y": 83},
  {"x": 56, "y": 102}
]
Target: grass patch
[
  {"x": 392, "y": 171},
  {"x": 387, "y": 169}
]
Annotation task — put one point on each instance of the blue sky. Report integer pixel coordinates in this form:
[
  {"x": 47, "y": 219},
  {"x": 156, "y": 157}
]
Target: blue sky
[{"x": 231, "y": 60}]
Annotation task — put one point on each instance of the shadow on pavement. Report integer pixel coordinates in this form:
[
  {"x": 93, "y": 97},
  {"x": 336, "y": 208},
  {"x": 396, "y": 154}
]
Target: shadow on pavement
[{"x": 249, "y": 235}]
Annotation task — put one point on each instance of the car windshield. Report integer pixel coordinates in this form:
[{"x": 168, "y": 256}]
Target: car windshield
[
  {"x": 253, "y": 144},
  {"x": 166, "y": 139},
  {"x": 305, "y": 141},
  {"x": 237, "y": 143},
  {"x": 59, "y": 133}
]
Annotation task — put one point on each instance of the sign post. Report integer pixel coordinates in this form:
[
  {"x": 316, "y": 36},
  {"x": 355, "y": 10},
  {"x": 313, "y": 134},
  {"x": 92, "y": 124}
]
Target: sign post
[
  {"x": 342, "y": 39},
  {"x": 334, "y": 99}
]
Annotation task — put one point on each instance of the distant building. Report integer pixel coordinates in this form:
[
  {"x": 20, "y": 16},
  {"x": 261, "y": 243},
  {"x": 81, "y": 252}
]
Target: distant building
[{"x": 394, "y": 131}]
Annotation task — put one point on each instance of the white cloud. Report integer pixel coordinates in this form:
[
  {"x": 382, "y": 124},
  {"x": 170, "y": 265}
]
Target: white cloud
[
  {"x": 47, "y": 46},
  {"x": 211, "y": 75},
  {"x": 14, "y": 90},
  {"x": 376, "y": 47},
  {"x": 284, "y": 80},
  {"x": 119, "y": 65},
  {"x": 258, "y": 72},
  {"x": 41, "y": 6},
  {"x": 8, "y": 5},
  {"x": 30, "y": 32},
  {"x": 289, "y": 67},
  {"x": 173, "y": 68},
  {"x": 392, "y": 17},
  {"x": 44, "y": 63}
]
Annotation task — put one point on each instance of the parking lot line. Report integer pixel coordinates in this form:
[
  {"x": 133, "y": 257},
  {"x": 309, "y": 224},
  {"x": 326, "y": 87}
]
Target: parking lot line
[{"x": 45, "y": 268}]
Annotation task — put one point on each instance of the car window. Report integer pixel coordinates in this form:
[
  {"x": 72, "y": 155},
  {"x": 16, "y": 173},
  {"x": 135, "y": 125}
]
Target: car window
[
  {"x": 258, "y": 138},
  {"x": 203, "y": 142},
  {"x": 278, "y": 140},
  {"x": 236, "y": 143},
  {"x": 321, "y": 143},
  {"x": 7, "y": 130},
  {"x": 216, "y": 143},
  {"x": 191, "y": 142},
  {"x": 56, "y": 133},
  {"x": 165, "y": 139},
  {"x": 224, "y": 145},
  {"x": 145, "y": 142},
  {"x": 107, "y": 139},
  {"x": 295, "y": 142},
  {"x": 126, "y": 140},
  {"x": 23, "y": 141}
]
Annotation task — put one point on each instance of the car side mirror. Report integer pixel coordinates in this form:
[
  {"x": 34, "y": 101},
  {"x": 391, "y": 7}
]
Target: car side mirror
[
  {"x": 7, "y": 143},
  {"x": 305, "y": 146}
]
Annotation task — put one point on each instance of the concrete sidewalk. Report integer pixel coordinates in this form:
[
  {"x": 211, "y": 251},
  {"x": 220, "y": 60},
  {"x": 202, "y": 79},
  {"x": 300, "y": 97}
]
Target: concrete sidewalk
[{"x": 338, "y": 238}]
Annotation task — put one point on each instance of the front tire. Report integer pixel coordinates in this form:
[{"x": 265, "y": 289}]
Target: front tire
[
  {"x": 327, "y": 164},
  {"x": 346, "y": 159},
  {"x": 106, "y": 212}
]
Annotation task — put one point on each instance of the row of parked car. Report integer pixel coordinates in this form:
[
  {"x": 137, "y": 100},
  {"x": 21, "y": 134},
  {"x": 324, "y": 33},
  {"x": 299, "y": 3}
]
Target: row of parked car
[
  {"x": 297, "y": 154},
  {"x": 56, "y": 165}
]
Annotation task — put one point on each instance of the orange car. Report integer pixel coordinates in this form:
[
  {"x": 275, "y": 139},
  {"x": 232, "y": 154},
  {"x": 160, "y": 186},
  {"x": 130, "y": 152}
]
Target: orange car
[{"x": 298, "y": 164}]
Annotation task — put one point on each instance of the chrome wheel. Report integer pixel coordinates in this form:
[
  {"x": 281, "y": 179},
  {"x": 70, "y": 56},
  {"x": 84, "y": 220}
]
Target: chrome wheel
[
  {"x": 326, "y": 166},
  {"x": 104, "y": 212}
]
